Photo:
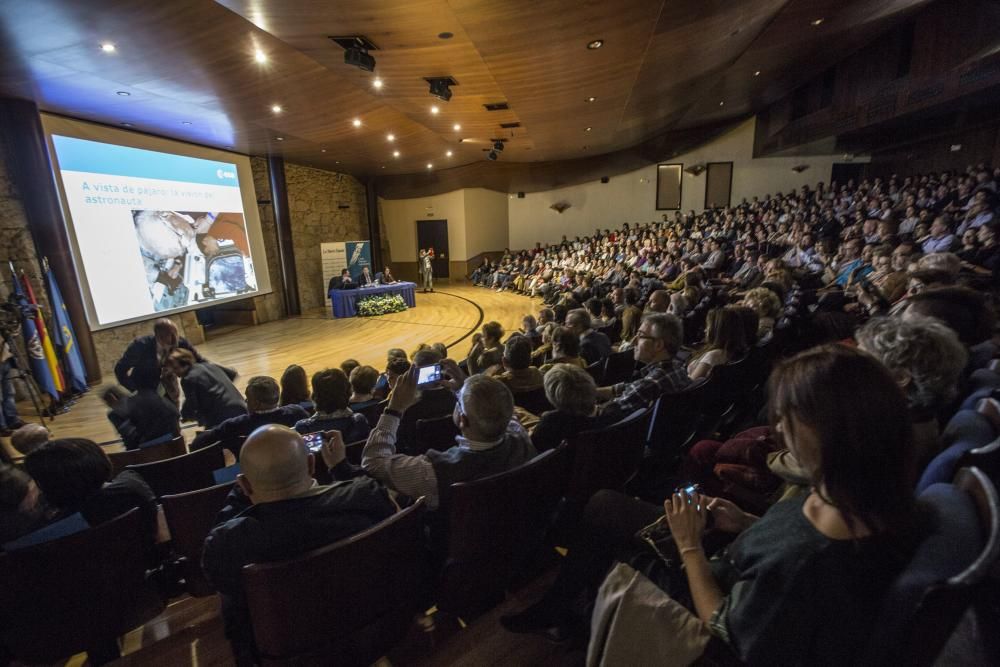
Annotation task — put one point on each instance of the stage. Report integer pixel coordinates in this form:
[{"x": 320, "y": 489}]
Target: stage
[{"x": 316, "y": 341}]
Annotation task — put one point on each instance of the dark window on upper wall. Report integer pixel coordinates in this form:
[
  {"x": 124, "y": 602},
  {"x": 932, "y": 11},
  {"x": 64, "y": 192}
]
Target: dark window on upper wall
[
  {"x": 668, "y": 186},
  {"x": 826, "y": 92},
  {"x": 905, "y": 49},
  {"x": 800, "y": 102},
  {"x": 718, "y": 184}
]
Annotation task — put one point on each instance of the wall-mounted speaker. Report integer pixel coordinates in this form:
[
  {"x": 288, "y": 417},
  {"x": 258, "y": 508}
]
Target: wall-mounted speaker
[{"x": 604, "y": 179}]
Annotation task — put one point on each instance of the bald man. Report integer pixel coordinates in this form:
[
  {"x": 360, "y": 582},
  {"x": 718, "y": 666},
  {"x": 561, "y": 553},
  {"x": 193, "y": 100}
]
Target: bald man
[{"x": 277, "y": 511}]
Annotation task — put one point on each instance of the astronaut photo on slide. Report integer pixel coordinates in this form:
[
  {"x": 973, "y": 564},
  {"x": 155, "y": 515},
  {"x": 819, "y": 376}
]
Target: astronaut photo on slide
[{"x": 179, "y": 253}]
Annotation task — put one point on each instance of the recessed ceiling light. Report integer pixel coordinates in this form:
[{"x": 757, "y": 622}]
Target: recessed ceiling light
[
  {"x": 260, "y": 56},
  {"x": 126, "y": 124},
  {"x": 280, "y": 138},
  {"x": 185, "y": 122},
  {"x": 395, "y": 153},
  {"x": 591, "y": 99},
  {"x": 322, "y": 150},
  {"x": 434, "y": 109},
  {"x": 108, "y": 47},
  {"x": 383, "y": 166},
  {"x": 818, "y": 21},
  {"x": 722, "y": 104},
  {"x": 377, "y": 83},
  {"x": 123, "y": 93},
  {"x": 445, "y": 35},
  {"x": 430, "y": 166},
  {"x": 390, "y": 137},
  {"x": 336, "y": 161},
  {"x": 356, "y": 122},
  {"x": 588, "y": 129},
  {"x": 276, "y": 108},
  {"x": 448, "y": 153},
  {"x": 596, "y": 44},
  {"x": 456, "y": 127},
  {"x": 757, "y": 73}
]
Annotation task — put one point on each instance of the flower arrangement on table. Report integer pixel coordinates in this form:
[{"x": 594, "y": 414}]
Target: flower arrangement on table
[{"x": 380, "y": 305}]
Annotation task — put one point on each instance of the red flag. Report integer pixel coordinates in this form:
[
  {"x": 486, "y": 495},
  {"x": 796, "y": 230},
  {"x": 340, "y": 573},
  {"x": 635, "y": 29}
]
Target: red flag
[{"x": 43, "y": 333}]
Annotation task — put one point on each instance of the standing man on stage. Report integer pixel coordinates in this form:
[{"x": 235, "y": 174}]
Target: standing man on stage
[
  {"x": 427, "y": 268},
  {"x": 143, "y": 364}
]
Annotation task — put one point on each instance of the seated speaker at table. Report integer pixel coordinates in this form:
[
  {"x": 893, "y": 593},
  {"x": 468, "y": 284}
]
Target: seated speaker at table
[
  {"x": 365, "y": 279},
  {"x": 343, "y": 281}
]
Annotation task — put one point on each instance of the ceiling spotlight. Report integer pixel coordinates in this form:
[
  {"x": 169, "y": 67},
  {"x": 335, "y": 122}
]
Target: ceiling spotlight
[
  {"x": 498, "y": 146},
  {"x": 757, "y": 73},
  {"x": 356, "y": 122},
  {"x": 377, "y": 83},
  {"x": 395, "y": 153},
  {"x": 383, "y": 166},
  {"x": 185, "y": 122},
  {"x": 126, "y": 124},
  {"x": 588, "y": 129},
  {"x": 434, "y": 109},
  {"x": 456, "y": 127},
  {"x": 280, "y": 138},
  {"x": 123, "y": 93},
  {"x": 260, "y": 56},
  {"x": 722, "y": 104},
  {"x": 448, "y": 153},
  {"x": 276, "y": 108},
  {"x": 322, "y": 150},
  {"x": 108, "y": 47},
  {"x": 440, "y": 87},
  {"x": 390, "y": 137},
  {"x": 360, "y": 58},
  {"x": 596, "y": 44},
  {"x": 591, "y": 99},
  {"x": 430, "y": 166},
  {"x": 817, "y": 22},
  {"x": 492, "y": 155}
]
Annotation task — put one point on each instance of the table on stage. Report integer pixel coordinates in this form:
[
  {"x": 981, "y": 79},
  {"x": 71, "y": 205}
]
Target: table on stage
[{"x": 344, "y": 301}]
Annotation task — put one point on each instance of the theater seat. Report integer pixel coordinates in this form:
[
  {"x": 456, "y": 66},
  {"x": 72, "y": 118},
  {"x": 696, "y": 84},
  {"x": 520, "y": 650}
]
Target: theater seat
[
  {"x": 606, "y": 458},
  {"x": 77, "y": 593},
  {"x": 183, "y": 473},
  {"x": 495, "y": 526},
  {"x": 158, "y": 452},
  {"x": 191, "y": 517},
  {"x": 348, "y": 603},
  {"x": 945, "y": 575},
  {"x": 619, "y": 367},
  {"x": 966, "y": 430},
  {"x": 534, "y": 401}
]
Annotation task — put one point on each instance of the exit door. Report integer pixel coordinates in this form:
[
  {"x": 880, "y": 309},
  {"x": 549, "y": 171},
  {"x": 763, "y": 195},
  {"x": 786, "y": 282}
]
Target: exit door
[{"x": 434, "y": 234}]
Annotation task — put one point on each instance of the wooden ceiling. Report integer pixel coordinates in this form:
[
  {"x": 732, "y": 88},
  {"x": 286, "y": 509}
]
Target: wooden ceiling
[{"x": 190, "y": 71}]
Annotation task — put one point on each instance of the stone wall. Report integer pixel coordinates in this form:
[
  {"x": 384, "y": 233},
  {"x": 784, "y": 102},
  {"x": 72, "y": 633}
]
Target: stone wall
[
  {"x": 325, "y": 206},
  {"x": 271, "y": 306},
  {"x": 16, "y": 244}
]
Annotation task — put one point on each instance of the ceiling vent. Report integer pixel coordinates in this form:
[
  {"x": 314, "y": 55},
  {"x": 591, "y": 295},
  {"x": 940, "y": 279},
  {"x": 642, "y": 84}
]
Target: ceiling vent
[
  {"x": 354, "y": 42},
  {"x": 496, "y": 106},
  {"x": 509, "y": 126}
]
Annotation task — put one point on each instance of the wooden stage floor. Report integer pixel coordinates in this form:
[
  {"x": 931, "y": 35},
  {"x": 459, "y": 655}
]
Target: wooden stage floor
[{"x": 316, "y": 341}]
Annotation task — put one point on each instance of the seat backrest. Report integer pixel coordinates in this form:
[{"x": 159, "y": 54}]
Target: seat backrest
[
  {"x": 183, "y": 473},
  {"x": 191, "y": 517},
  {"x": 596, "y": 371},
  {"x": 534, "y": 401},
  {"x": 927, "y": 600},
  {"x": 619, "y": 367},
  {"x": 967, "y": 430},
  {"x": 373, "y": 412},
  {"x": 436, "y": 433},
  {"x": 166, "y": 450},
  {"x": 607, "y": 458},
  {"x": 77, "y": 592},
  {"x": 372, "y": 583},
  {"x": 495, "y": 525},
  {"x": 986, "y": 458},
  {"x": 676, "y": 419}
]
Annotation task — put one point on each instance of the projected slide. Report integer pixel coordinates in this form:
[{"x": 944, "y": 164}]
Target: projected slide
[{"x": 155, "y": 232}]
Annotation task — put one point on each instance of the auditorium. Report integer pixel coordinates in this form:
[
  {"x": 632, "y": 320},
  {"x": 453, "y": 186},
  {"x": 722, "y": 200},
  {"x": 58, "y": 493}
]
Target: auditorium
[{"x": 445, "y": 333}]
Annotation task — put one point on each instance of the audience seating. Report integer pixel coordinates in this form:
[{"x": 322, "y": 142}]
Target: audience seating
[
  {"x": 191, "y": 517},
  {"x": 945, "y": 576},
  {"x": 986, "y": 459},
  {"x": 966, "y": 431},
  {"x": 619, "y": 367},
  {"x": 437, "y": 433},
  {"x": 166, "y": 450},
  {"x": 348, "y": 603},
  {"x": 373, "y": 412},
  {"x": 596, "y": 371},
  {"x": 77, "y": 593},
  {"x": 495, "y": 526},
  {"x": 534, "y": 401},
  {"x": 606, "y": 458},
  {"x": 189, "y": 472}
]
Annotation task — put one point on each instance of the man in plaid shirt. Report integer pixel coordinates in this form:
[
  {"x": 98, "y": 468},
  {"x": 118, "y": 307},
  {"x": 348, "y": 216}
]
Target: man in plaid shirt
[{"x": 656, "y": 344}]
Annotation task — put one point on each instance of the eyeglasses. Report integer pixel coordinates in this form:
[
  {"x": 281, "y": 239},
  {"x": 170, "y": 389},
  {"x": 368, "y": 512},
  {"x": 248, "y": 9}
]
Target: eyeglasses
[{"x": 647, "y": 336}]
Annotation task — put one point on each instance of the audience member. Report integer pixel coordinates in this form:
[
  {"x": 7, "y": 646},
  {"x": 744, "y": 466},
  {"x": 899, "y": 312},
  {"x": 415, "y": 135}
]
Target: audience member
[
  {"x": 518, "y": 373},
  {"x": 21, "y": 508},
  {"x": 29, "y": 437},
  {"x": 573, "y": 393},
  {"x": 140, "y": 417},
  {"x": 725, "y": 341},
  {"x": 295, "y": 388},
  {"x": 210, "y": 397},
  {"x": 486, "y": 349},
  {"x": 363, "y": 379},
  {"x": 143, "y": 363},
  {"x": 565, "y": 349},
  {"x": 594, "y": 345},
  {"x": 332, "y": 395}
]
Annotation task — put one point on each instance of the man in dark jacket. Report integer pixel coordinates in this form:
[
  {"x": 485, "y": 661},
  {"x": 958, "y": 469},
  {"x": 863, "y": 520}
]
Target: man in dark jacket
[
  {"x": 142, "y": 416},
  {"x": 594, "y": 345},
  {"x": 278, "y": 511},
  {"x": 261, "y": 408},
  {"x": 142, "y": 364},
  {"x": 210, "y": 397}
]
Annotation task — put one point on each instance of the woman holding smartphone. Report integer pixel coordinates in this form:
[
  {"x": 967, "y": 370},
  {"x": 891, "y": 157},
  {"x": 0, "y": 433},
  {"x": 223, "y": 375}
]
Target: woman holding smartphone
[{"x": 802, "y": 583}]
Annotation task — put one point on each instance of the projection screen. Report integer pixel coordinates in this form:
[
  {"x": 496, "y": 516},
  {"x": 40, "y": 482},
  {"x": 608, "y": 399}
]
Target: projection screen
[{"x": 156, "y": 226}]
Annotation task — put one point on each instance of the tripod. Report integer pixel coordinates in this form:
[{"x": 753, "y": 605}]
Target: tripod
[{"x": 21, "y": 372}]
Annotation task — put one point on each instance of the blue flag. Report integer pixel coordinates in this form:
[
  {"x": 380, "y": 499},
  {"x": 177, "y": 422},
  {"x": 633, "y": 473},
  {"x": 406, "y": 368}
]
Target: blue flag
[
  {"x": 65, "y": 339},
  {"x": 33, "y": 343}
]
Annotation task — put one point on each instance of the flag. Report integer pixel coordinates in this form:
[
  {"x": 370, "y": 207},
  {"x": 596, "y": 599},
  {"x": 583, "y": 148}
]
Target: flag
[
  {"x": 33, "y": 344},
  {"x": 43, "y": 336},
  {"x": 64, "y": 337}
]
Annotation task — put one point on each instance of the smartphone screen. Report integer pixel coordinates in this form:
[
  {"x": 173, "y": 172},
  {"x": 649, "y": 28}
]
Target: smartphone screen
[
  {"x": 314, "y": 441},
  {"x": 428, "y": 374}
]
